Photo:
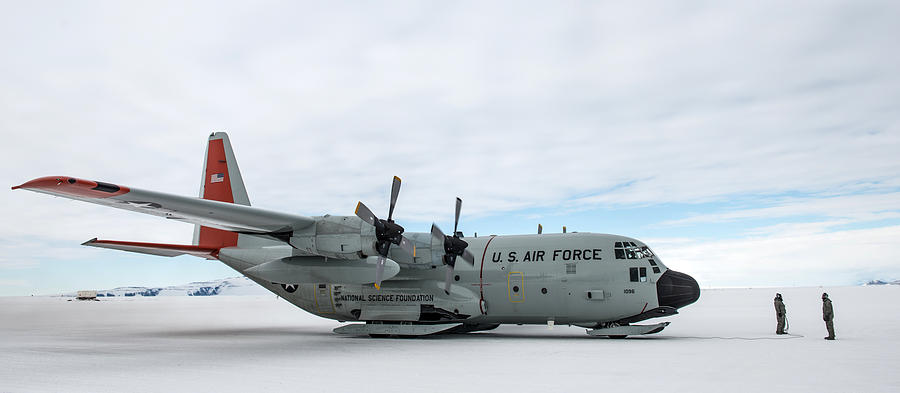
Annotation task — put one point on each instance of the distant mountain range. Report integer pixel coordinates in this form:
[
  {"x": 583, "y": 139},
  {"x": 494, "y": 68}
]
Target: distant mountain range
[
  {"x": 234, "y": 286},
  {"x": 880, "y": 282}
]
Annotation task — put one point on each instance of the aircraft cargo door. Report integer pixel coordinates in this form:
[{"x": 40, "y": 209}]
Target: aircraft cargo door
[{"x": 516, "y": 287}]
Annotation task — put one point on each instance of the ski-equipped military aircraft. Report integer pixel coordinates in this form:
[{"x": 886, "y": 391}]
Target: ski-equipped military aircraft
[{"x": 366, "y": 269}]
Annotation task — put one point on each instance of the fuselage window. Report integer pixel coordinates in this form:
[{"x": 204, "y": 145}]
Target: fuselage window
[
  {"x": 633, "y": 272},
  {"x": 643, "y": 274},
  {"x": 655, "y": 269}
]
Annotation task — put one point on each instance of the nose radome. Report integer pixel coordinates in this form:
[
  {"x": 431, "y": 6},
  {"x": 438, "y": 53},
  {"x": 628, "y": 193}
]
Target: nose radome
[{"x": 675, "y": 289}]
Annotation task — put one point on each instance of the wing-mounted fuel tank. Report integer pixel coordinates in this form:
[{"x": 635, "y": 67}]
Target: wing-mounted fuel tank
[{"x": 310, "y": 270}]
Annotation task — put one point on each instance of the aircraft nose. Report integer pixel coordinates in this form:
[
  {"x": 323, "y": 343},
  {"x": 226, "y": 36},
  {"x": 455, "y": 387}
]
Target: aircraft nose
[{"x": 675, "y": 289}]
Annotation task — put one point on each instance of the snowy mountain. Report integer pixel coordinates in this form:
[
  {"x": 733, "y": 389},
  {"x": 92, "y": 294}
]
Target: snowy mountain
[
  {"x": 234, "y": 286},
  {"x": 881, "y": 282}
]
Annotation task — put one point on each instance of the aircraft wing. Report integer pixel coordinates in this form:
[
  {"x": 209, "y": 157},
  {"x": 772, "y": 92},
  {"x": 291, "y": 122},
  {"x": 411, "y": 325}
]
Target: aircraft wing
[{"x": 215, "y": 214}]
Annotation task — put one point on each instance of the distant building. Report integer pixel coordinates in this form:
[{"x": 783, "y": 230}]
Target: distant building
[{"x": 86, "y": 295}]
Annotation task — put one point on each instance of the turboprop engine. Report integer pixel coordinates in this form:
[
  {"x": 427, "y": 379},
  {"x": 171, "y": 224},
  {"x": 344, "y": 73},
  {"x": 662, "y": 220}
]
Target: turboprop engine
[
  {"x": 360, "y": 250},
  {"x": 341, "y": 237},
  {"x": 347, "y": 245}
]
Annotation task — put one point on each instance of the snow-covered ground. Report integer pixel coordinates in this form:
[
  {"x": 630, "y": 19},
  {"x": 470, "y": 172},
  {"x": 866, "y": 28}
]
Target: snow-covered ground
[{"x": 723, "y": 343}]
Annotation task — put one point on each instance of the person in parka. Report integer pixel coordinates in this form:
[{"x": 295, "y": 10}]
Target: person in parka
[
  {"x": 828, "y": 316},
  {"x": 780, "y": 314}
]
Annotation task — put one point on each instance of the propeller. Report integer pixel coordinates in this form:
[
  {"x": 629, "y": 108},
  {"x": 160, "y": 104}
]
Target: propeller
[
  {"x": 453, "y": 246},
  {"x": 387, "y": 232}
]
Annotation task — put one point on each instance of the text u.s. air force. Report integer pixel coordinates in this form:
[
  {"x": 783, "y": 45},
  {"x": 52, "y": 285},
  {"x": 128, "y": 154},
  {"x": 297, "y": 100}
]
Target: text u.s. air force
[{"x": 578, "y": 254}]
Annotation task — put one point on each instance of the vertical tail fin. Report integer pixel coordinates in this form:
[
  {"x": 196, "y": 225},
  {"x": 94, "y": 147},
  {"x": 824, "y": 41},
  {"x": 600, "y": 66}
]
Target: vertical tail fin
[{"x": 221, "y": 182}]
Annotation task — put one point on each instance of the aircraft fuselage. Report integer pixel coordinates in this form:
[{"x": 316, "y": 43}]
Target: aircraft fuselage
[{"x": 584, "y": 279}]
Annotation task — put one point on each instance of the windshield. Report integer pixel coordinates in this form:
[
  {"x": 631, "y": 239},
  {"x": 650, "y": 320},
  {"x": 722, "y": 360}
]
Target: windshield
[{"x": 629, "y": 250}]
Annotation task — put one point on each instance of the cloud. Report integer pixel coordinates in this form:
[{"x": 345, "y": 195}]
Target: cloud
[
  {"x": 839, "y": 257},
  {"x": 514, "y": 107},
  {"x": 848, "y": 208},
  {"x": 13, "y": 283}
]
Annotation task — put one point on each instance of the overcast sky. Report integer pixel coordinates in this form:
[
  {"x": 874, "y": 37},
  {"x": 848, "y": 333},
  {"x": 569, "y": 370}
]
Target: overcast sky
[{"x": 749, "y": 143}]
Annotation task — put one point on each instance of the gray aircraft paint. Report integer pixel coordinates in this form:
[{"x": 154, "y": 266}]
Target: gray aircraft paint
[{"x": 565, "y": 301}]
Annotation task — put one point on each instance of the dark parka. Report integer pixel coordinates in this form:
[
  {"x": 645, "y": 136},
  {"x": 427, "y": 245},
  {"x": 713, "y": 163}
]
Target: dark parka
[
  {"x": 780, "y": 314},
  {"x": 828, "y": 316}
]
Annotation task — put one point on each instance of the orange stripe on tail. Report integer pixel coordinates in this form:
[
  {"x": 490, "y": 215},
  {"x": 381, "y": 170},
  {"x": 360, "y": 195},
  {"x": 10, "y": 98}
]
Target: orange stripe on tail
[{"x": 217, "y": 187}]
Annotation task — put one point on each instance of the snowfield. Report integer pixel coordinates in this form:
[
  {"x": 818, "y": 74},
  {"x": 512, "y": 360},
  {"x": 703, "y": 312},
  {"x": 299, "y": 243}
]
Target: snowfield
[{"x": 724, "y": 342}]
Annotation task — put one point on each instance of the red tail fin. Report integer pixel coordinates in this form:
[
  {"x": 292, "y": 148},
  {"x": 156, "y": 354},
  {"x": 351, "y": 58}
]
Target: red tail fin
[{"x": 221, "y": 182}]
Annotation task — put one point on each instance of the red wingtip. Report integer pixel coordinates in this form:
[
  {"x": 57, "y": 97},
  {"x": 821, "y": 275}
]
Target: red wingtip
[{"x": 70, "y": 186}]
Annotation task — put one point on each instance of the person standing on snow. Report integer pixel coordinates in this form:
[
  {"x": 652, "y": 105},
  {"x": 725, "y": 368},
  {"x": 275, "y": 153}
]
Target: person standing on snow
[
  {"x": 780, "y": 314},
  {"x": 828, "y": 316}
]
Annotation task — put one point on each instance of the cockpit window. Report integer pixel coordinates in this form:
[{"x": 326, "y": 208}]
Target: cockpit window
[{"x": 629, "y": 250}]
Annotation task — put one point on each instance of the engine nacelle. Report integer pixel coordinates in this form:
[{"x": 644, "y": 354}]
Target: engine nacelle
[{"x": 341, "y": 237}]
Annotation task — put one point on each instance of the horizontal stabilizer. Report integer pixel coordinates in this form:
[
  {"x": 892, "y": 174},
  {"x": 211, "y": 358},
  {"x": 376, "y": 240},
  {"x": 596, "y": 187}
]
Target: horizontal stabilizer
[{"x": 165, "y": 250}]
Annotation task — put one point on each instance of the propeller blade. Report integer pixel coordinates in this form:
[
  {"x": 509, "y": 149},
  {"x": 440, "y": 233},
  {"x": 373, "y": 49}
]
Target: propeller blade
[
  {"x": 395, "y": 191},
  {"x": 437, "y": 234},
  {"x": 468, "y": 257},
  {"x": 363, "y": 212},
  {"x": 447, "y": 279},
  {"x": 456, "y": 221},
  {"x": 379, "y": 272},
  {"x": 408, "y": 246}
]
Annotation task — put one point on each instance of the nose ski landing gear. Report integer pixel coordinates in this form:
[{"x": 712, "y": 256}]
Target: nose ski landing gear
[{"x": 615, "y": 331}]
